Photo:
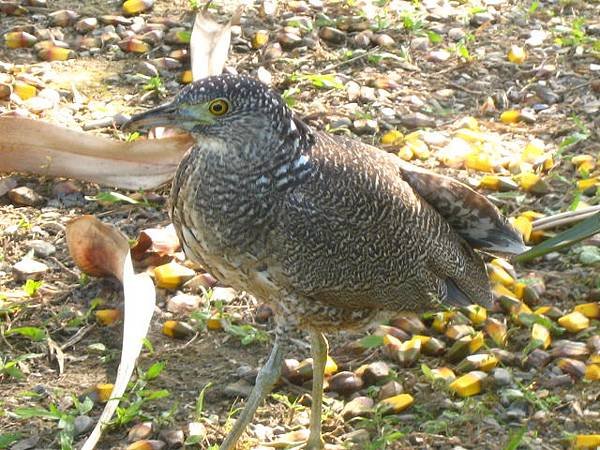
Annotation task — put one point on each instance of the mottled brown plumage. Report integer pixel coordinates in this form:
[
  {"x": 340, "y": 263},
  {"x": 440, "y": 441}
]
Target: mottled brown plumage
[{"x": 329, "y": 230}]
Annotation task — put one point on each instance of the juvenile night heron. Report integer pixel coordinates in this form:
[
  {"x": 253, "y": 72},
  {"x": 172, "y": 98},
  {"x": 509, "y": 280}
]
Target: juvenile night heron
[{"x": 330, "y": 231}]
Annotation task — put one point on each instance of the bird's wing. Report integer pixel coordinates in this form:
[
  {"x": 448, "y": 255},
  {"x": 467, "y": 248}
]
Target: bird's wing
[
  {"x": 357, "y": 233},
  {"x": 469, "y": 213}
]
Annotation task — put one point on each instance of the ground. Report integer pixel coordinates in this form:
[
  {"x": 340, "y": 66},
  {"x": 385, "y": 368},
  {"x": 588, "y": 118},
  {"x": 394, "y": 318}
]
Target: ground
[{"x": 442, "y": 68}]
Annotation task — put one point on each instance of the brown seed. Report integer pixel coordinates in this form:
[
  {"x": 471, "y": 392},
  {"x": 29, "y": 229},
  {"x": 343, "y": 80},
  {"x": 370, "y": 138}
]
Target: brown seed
[
  {"x": 384, "y": 40},
  {"x": 505, "y": 357},
  {"x": 140, "y": 431},
  {"x": 332, "y": 35},
  {"x": 289, "y": 40},
  {"x": 382, "y": 330},
  {"x": 12, "y": 9},
  {"x": 63, "y": 17},
  {"x": 115, "y": 20},
  {"x": 358, "y": 407},
  {"x": 166, "y": 63},
  {"x": 153, "y": 37},
  {"x": 263, "y": 313},
  {"x": 573, "y": 367},
  {"x": 390, "y": 389},
  {"x": 290, "y": 371},
  {"x": 569, "y": 349},
  {"x": 537, "y": 359},
  {"x": 374, "y": 373},
  {"x": 134, "y": 45},
  {"x": 272, "y": 52},
  {"x": 86, "y": 24},
  {"x": 5, "y": 90},
  {"x": 410, "y": 324},
  {"x": 178, "y": 35},
  {"x": 363, "y": 39},
  {"x": 181, "y": 54},
  {"x": 456, "y": 332},
  {"x": 345, "y": 383},
  {"x": 593, "y": 343}
]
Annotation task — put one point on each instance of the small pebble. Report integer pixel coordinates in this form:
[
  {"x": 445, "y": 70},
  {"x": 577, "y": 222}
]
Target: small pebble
[
  {"x": 240, "y": 388},
  {"x": 502, "y": 377},
  {"x": 83, "y": 424},
  {"x": 25, "y": 196},
  {"x": 29, "y": 269},
  {"x": 358, "y": 407},
  {"x": 173, "y": 438},
  {"x": 41, "y": 248}
]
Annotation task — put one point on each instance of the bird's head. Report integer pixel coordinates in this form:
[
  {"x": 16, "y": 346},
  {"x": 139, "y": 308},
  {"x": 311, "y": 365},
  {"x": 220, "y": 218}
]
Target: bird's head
[{"x": 229, "y": 108}]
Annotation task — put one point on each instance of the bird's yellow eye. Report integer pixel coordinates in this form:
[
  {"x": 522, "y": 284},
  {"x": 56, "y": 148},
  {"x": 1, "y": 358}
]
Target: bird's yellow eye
[{"x": 218, "y": 107}]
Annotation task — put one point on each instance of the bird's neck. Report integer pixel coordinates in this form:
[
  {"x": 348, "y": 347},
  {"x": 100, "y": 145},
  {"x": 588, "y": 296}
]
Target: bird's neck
[{"x": 273, "y": 161}]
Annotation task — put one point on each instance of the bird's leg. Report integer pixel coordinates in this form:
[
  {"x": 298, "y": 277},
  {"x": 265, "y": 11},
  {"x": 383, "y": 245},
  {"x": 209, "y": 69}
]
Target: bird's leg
[
  {"x": 318, "y": 345},
  {"x": 266, "y": 379}
]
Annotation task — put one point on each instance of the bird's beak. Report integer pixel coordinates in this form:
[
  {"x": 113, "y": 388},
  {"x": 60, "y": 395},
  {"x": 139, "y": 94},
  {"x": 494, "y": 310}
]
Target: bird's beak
[{"x": 181, "y": 116}]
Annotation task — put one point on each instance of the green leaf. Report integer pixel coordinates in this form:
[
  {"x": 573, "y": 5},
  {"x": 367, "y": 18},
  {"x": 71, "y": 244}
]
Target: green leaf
[
  {"x": 372, "y": 341},
  {"x": 29, "y": 413},
  {"x": 515, "y": 438},
  {"x": 112, "y": 197},
  {"x": 579, "y": 232},
  {"x": 434, "y": 37},
  {"x": 155, "y": 395},
  {"x": 7, "y": 439},
  {"x": 33, "y": 333},
  {"x": 31, "y": 287},
  {"x": 154, "y": 370}
]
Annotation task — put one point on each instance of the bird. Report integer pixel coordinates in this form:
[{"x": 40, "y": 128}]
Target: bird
[{"x": 332, "y": 232}]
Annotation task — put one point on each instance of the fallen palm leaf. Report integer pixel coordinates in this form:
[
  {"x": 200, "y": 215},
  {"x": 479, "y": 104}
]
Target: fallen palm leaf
[
  {"x": 36, "y": 147},
  {"x": 564, "y": 218},
  {"x": 579, "y": 232},
  {"x": 209, "y": 43},
  {"x": 101, "y": 250}
]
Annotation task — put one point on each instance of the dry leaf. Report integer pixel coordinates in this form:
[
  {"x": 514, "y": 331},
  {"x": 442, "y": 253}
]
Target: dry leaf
[
  {"x": 103, "y": 249},
  {"x": 41, "y": 148},
  {"x": 209, "y": 43}
]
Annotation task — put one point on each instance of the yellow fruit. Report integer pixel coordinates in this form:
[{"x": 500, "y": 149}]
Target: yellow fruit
[
  {"x": 476, "y": 342},
  {"x": 214, "y": 323},
  {"x": 533, "y": 151},
  {"x": 172, "y": 275},
  {"x": 511, "y": 116},
  {"x": 592, "y": 182},
  {"x": 397, "y": 403},
  {"x": 441, "y": 319},
  {"x": 499, "y": 275},
  {"x": 23, "y": 90},
  {"x": 469, "y": 384},
  {"x": 469, "y": 135},
  {"x": 131, "y": 7},
  {"x": 590, "y": 310},
  {"x": 104, "y": 390},
  {"x": 392, "y": 137},
  {"x": 477, "y": 314},
  {"x": 479, "y": 161},
  {"x": 107, "y": 316},
  {"x": 592, "y": 372},
  {"x": 497, "y": 331},
  {"x": 418, "y": 148},
  {"x": 186, "y": 77},
  {"x": 523, "y": 226},
  {"x": 260, "y": 39},
  {"x": 19, "y": 39},
  {"x": 330, "y": 366},
  {"x": 589, "y": 441},
  {"x": 177, "y": 330},
  {"x": 406, "y": 153},
  {"x": 541, "y": 334},
  {"x": 574, "y": 322},
  {"x": 517, "y": 55},
  {"x": 443, "y": 373},
  {"x": 55, "y": 54}
]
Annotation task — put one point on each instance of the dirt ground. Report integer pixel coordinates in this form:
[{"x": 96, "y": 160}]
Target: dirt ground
[{"x": 426, "y": 89}]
